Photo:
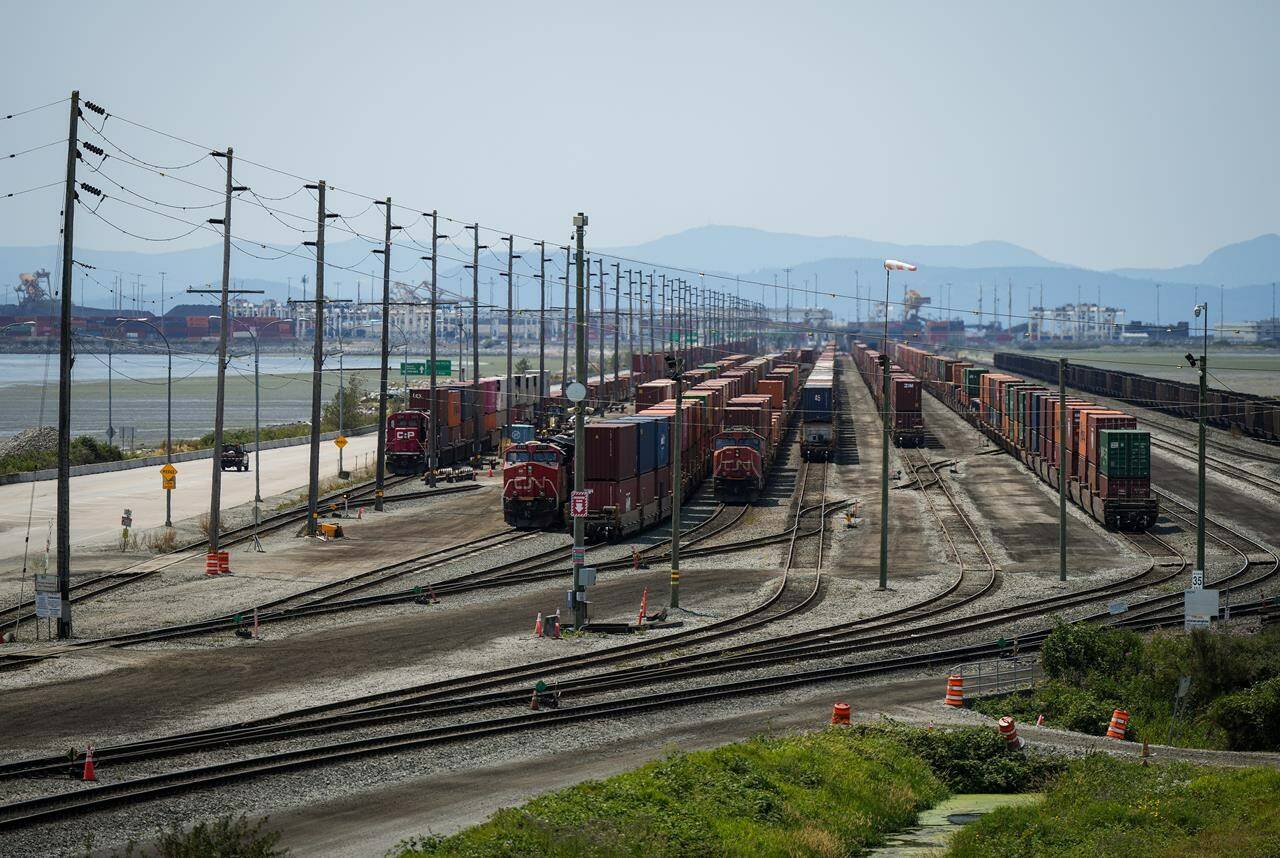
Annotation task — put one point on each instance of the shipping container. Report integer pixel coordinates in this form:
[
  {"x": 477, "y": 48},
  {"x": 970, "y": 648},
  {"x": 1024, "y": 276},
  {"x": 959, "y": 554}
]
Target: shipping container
[
  {"x": 1124, "y": 453},
  {"x": 611, "y": 450},
  {"x": 618, "y": 494}
]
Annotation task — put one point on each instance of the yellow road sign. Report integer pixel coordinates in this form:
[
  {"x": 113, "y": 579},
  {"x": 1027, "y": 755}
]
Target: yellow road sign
[
  {"x": 340, "y": 442},
  {"x": 168, "y": 471},
  {"x": 169, "y": 482}
]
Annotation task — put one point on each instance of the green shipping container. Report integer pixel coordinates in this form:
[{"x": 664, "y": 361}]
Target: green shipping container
[
  {"x": 1124, "y": 452},
  {"x": 973, "y": 381}
]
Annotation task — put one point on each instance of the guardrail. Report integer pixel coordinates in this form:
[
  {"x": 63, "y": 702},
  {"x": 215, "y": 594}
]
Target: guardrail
[
  {"x": 151, "y": 461},
  {"x": 998, "y": 675}
]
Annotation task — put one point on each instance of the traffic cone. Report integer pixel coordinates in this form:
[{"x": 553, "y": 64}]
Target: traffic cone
[
  {"x": 1119, "y": 724},
  {"x": 537, "y": 626},
  {"x": 533, "y": 700},
  {"x": 1009, "y": 731},
  {"x": 89, "y": 774},
  {"x": 211, "y": 564},
  {"x": 224, "y": 562},
  {"x": 555, "y": 633},
  {"x": 644, "y": 604},
  {"x": 360, "y": 514},
  {"x": 1040, "y": 720},
  {"x": 955, "y": 691},
  {"x": 491, "y": 470},
  {"x": 840, "y": 714}
]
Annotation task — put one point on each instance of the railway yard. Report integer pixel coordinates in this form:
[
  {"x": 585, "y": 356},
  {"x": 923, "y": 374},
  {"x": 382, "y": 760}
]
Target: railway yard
[{"x": 387, "y": 684}]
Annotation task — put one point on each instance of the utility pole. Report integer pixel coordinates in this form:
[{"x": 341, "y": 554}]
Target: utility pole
[
  {"x": 542, "y": 333},
  {"x": 631, "y": 332},
  {"x": 317, "y": 365},
  {"x": 507, "y": 398},
  {"x": 665, "y": 335},
  {"x": 1062, "y": 469},
  {"x": 600, "y": 277},
  {"x": 886, "y": 434},
  {"x": 617, "y": 315},
  {"x": 651, "y": 348},
  {"x": 1202, "y": 414},
  {"x": 433, "y": 438},
  {"x": 215, "y": 502},
  {"x": 64, "y": 375},
  {"x": 579, "y": 426},
  {"x": 476, "y": 417},
  {"x": 381, "y": 457},
  {"x": 676, "y": 367},
  {"x": 564, "y": 369}
]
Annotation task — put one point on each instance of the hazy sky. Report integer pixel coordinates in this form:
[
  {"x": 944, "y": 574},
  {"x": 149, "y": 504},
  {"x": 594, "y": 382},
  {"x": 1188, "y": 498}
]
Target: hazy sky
[{"x": 1102, "y": 134}]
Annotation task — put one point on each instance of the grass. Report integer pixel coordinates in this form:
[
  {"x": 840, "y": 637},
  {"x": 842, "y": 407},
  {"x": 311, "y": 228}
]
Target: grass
[
  {"x": 1104, "y": 806},
  {"x": 1233, "y": 702},
  {"x": 85, "y": 450},
  {"x": 834, "y": 792},
  {"x": 828, "y": 793}
]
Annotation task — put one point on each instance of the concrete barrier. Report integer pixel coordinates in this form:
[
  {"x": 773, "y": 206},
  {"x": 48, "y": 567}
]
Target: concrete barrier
[{"x": 151, "y": 461}]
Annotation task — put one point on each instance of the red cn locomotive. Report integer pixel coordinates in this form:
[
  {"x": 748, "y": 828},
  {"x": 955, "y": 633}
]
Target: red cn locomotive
[
  {"x": 740, "y": 462},
  {"x": 536, "y": 480}
]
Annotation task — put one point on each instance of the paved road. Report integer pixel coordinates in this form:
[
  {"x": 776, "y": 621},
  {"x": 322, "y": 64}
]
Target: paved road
[{"x": 97, "y": 500}]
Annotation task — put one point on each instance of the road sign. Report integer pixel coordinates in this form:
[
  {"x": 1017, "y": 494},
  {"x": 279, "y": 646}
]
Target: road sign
[
  {"x": 168, "y": 483},
  {"x": 168, "y": 471},
  {"x": 423, "y": 367},
  {"x": 340, "y": 441},
  {"x": 578, "y": 504},
  {"x": 1198, "y": 608},
  {"x": 576, "y": 392},
  {"x": 48, "y": 605},
  {"x": 1197, "y": 579},
  {"x": 126, "y": 520},
  {"x": 579, "y": 556},
  {"x": 46, "y": 583}
]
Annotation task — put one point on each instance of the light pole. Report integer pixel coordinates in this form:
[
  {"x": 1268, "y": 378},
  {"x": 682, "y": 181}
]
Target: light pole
[
  {"x": 1203, "y": 364},
  {"x": 168, "y": 423},
  {"x": 579, "y": 420},
  {"x": 675, "y": 370},
  {"x": 886, "y": 433}
]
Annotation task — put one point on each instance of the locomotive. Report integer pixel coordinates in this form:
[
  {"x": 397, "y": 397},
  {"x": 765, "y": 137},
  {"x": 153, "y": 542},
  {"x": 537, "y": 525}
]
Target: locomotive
[
  {"x": 537, "y": 477},
  {"x": 740, "y": 464},
  {"x": 407, "y": 442}
]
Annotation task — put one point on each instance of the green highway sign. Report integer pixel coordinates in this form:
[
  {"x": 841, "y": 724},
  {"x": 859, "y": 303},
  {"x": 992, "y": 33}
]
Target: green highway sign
[{"x": 421, "y": 367}]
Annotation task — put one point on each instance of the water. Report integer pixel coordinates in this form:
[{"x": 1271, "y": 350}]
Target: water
[
  {"x": 16, "y": 370},
  {"x": 936, "y": 825}
]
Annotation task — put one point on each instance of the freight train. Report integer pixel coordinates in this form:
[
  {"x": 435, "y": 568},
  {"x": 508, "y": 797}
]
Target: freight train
[
  {"x": 1248, "y": 413},
  {"x": 459, "y": 403},
  {"x": 753, "y": 424},
  {"x": 627, "y": 459},
  {"x": 906, "y": 421},
  {"x": 819, "y": 408},
  {"x": 1107, "y": 464}
]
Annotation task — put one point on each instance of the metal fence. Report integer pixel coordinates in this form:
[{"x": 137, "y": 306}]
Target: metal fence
[{"x": 998, "y": 675}]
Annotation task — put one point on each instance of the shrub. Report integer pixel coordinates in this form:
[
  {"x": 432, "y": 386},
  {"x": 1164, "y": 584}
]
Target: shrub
[
  {"x": 1250, "y": 720},
  {"x": 1073, "y": 651},
  {"x": 973, "y": 759},
  {"x": 225, "y": 837}
]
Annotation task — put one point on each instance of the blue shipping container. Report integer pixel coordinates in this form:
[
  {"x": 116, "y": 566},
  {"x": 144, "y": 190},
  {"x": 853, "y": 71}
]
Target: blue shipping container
[
  {"x": 645, "y": 442},
  {"x": 520, "y": 433},
  {"x": 815, "y": 402}
]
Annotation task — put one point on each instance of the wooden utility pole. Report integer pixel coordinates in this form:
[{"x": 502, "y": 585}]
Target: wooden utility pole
[
  {"x": 507, "y": 399},
  {"x": 477, "y": 418},
  {"x": 433, "y": 442},
  {"x": 64, "y": 376},
  {"x": 381, "y": 463},
  {"x": 564, "y": 369},
  {"x": 317, "y": 365},
  {"x": 600, "y": 276},
  {"x": 617, "y": 316},
  {"x": 215, "y": 501},
  {"x": 540, "y": 406},
  {"x": 579, "y": 426},
  {"x": 1062, "y": 469},
  {"x": 631, "y": 332},
  {"x": 651, "y": 348}
]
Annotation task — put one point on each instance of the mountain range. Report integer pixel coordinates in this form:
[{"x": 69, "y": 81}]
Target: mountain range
[{"x": 1240, "y": 274}]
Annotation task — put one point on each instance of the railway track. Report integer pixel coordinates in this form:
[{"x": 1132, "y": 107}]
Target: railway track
[
  {"x": 1224, "y": 467},
  {"x": 98, "y": 585}
]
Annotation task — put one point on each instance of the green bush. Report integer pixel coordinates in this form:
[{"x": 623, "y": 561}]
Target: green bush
[
  {"x": 1103, "y": 806},
  {"x": 1250, "y": 720},
  {"x": 85, "y": 450},
  {"x": 1073, "y": 651},
  {"x": 225, "y": 837},
  {"x": 834, "y": 792},
  {"x": 974, "y": 759}
]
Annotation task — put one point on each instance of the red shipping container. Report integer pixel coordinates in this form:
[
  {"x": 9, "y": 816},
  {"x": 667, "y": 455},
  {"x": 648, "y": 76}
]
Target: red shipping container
[
  {"x": 1105, "y": 420},
  {"x": 662, "y": 483},
  {"x": 1123, "y": 487},
  {"x": 752, "y": 418},
  {"x": 620, "y": 494},
  {"x": 645, "y": 488},
  {"x": 653, "y": 392},
  {"x": 611, "y": 450},
  {"x": 776, "y": 389}
]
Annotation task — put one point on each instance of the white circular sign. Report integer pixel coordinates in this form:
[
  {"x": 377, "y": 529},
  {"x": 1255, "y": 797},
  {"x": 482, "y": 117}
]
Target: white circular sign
[{"x": 576, "y": 391}]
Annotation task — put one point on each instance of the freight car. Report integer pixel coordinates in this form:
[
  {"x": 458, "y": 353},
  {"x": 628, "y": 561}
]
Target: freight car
[
  {"x": 906, "y": 420},
  {"x": 1107, "y": 462},
  {"x": 1247, "y": 413},
  {"x": 819, "y": 408},
  {"x": 627, "y": 459},
  {"x": 744, "y": 450}
]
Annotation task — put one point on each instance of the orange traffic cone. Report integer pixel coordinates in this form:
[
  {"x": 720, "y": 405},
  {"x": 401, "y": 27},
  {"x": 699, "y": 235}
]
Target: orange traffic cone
[
  {"x": 1009, "y": 731},
  {"x": 537, "y": 626},
  {"x": 955, "y": 691},
  {"x": 1119, "y": 724},
  {"x": 840, "y": 714},
  {"x": 533, "y": 700},
  {"x": 211, "y": 564},
  {"x": 491, "y": 470},
  {"x": 555, "y": 629},
  {"x": 89, "y": 774},
  {"x": 644, "y": 604}
]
